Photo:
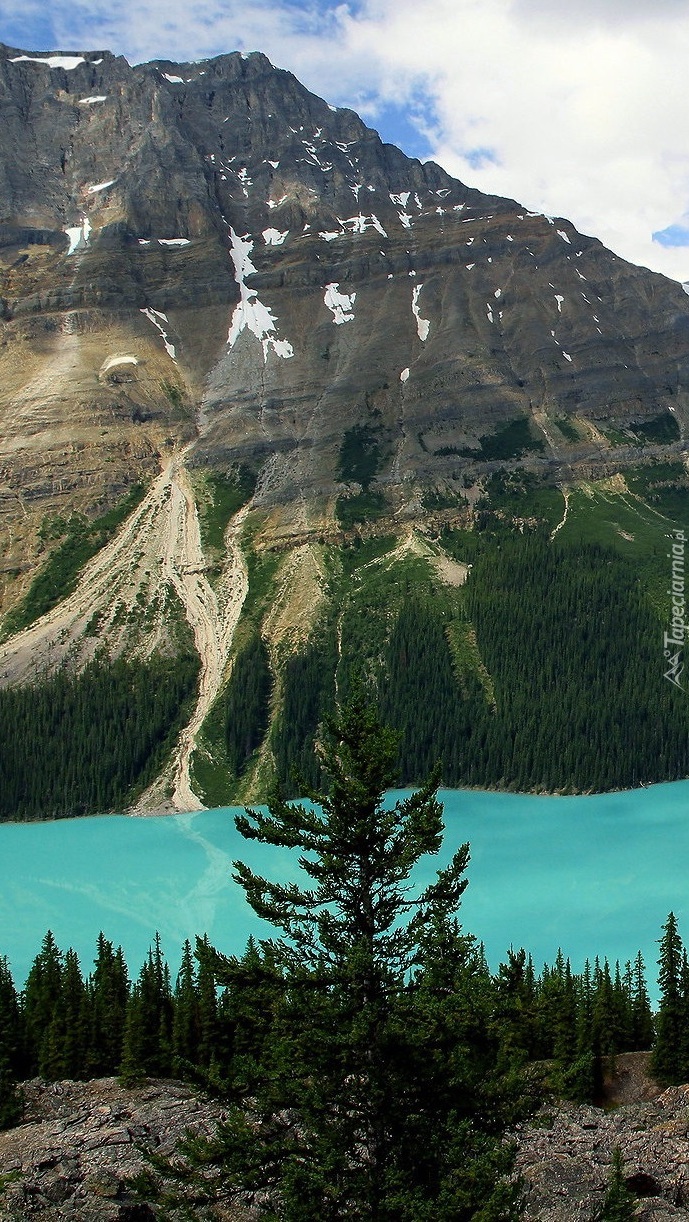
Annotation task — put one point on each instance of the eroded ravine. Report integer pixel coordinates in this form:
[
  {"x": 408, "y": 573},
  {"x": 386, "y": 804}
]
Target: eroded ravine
[
  {"x": 124, "y": 590},
  {"x": 213, "y": 618}
]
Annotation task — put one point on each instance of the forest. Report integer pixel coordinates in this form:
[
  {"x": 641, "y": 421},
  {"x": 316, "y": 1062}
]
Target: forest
[
  {"x": 370, "y": 1019},
  {"x": 72, "y": 744},
  {"x": 544, "y": 672}
]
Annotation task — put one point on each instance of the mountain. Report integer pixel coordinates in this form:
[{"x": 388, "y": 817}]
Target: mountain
[{"x": 243, "y": 339}]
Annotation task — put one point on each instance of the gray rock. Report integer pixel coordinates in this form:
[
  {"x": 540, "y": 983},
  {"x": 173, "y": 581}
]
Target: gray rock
[{"x": 526, "y": 316}]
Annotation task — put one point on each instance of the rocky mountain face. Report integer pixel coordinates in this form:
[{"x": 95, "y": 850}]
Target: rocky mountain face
[
  {"x": 209, "y": 274},
  {"x": 312, "y": 281}
]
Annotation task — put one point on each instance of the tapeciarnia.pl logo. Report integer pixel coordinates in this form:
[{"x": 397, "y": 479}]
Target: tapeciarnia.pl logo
[{"x": 673, "y": 641}]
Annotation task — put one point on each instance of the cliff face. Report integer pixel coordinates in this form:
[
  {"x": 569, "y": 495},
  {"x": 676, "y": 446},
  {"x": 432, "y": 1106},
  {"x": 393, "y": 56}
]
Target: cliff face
[{"x": 209, "y": 243}]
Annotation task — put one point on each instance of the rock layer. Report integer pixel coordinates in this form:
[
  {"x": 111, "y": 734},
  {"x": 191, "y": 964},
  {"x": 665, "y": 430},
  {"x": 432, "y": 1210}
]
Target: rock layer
[{"x": 291, "y": 278}]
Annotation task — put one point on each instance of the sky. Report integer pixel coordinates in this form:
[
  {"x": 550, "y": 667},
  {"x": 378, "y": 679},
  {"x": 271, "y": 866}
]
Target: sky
[{"x": 578, "y": 109}]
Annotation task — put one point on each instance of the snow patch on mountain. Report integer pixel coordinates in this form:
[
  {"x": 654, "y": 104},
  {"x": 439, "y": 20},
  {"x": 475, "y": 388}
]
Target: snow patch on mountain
[
  {"x": 68, "y": 62},
  {"x": 78, "y": 234},
  {"x": 153, "y": 316},
  {"x": 274, "y": 237},
  {"x": 340, "y": 304},
  {"x": 101, "y": 186},
  {"x": 423, "y": 325},
  {"x": 250, "y": 314}
]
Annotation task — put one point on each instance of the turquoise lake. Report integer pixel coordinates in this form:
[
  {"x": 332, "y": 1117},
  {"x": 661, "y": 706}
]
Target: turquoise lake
[{"x": 593, "y": 875}]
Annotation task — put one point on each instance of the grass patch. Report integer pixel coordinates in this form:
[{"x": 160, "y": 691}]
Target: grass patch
[
  {"x": 617, "y": 437},
  {"x": 211, "y": 768},
  {"x": 631, "y": 528},
  {"x": 361, "y": 552},
  {"x": 511, "y": 440},
  {"x": 436, "y": 498},
  {"x": 361, "y": 455},
  {"x": 81, "y": 540},
  {"x": 180, "y": 410},
  {"x": 663, "y": 486},
  {"x": 210, "y": 775}
]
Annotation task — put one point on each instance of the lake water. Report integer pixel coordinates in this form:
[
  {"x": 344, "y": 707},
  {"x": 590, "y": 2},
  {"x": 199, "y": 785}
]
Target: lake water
[{"x": 593, "y": 875}]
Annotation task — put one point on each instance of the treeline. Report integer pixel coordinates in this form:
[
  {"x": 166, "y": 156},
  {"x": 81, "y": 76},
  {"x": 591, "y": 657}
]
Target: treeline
[
  {"x": 73, "y": 744},
  {"x": 544, "y": 672},
  {"x": 571, "y": 644},
  {"x": 65, "y": 1024}
]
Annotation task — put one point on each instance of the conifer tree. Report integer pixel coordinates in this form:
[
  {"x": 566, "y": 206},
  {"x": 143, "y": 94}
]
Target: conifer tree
[
  {"x": 381, "y": 1093},
  {"x": 643, "y": 1032},
  {"x": 109, "y": 994},
  {"x": 619, "y": 1204},
  {"x": 42, "y": 994},
  {"x": 668, "y": 1054},
  {"x": 147, "y": 1043},
  {"x": 210, "y": 1046},
  {"x": 185, "y": 1022},
  {"x": 11, "y": 1048},
  {"x": 73, "y": 1020}
]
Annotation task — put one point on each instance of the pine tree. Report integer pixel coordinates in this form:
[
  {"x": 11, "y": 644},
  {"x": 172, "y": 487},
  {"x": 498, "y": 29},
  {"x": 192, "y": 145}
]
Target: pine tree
[
  {"x": 210, "y": 1040},
  {"x": 668, "y": 1060},
  {"x": 185, "y": 1022},
  {"x": 109, "y": 995},
  {"x": 42, "y": 995},
  {"x": 74, "y": 1019},
  {"x": 382, "y": 1091},
  {"x": 11, "y": 1041},
  {"x": 147, "y": 1043},
  {"x": 619, "y": 1204},
  {"x": 643, "y": 1032}
]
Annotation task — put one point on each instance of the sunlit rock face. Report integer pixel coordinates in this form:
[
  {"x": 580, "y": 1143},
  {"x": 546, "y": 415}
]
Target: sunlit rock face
[{"x": 292, "y": 278}]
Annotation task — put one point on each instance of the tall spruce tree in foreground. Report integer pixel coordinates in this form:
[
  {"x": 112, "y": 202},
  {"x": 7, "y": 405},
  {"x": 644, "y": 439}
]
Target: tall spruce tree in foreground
[
  {"x": 669, "y": 1061},
  {"x": 384, "y": 1091}
]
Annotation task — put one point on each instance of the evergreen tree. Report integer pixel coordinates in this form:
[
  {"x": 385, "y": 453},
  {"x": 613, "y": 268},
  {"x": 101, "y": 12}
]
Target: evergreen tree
[
  {"x": 109, "y": 994},
  {"x": 383, "y": 1091},
  {"x": 668, "y": 1054},
  {"x": 209, "y": 1046},
  {"x": 42, "y": 995},
  {"x": 147, "y": 1043},
  {"x": 643, "y": 1032},
  {"x": 619, "y": 1204},
  {"x": 73, "y": 1021},
  {"x": 185, "y": 1022},
  {"x": 11, "y": 1047}
]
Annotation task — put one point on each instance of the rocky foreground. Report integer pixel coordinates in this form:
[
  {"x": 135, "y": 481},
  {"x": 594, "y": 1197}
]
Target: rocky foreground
[{"x": 81, "y": 1141}]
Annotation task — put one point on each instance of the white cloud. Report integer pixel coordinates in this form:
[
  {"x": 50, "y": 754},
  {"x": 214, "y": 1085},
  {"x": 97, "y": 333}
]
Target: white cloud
[{"x": 579, "y": 110}]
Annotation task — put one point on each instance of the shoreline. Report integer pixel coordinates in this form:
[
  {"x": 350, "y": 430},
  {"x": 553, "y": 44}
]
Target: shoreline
[{"x": 165, "y": 811}]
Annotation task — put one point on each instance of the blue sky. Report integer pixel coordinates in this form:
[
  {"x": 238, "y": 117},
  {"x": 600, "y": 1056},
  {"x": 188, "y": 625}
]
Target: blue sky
[{"x": 578, "y": 110}]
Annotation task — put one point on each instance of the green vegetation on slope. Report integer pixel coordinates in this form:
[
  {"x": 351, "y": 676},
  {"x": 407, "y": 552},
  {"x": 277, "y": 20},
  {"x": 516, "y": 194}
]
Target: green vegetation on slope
[
  {"x": 58, "y": 577},
  {"x": 221, "y": 760},
  {"x": 226, "y": 495},
  {"x": 361, "y": 458}
]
